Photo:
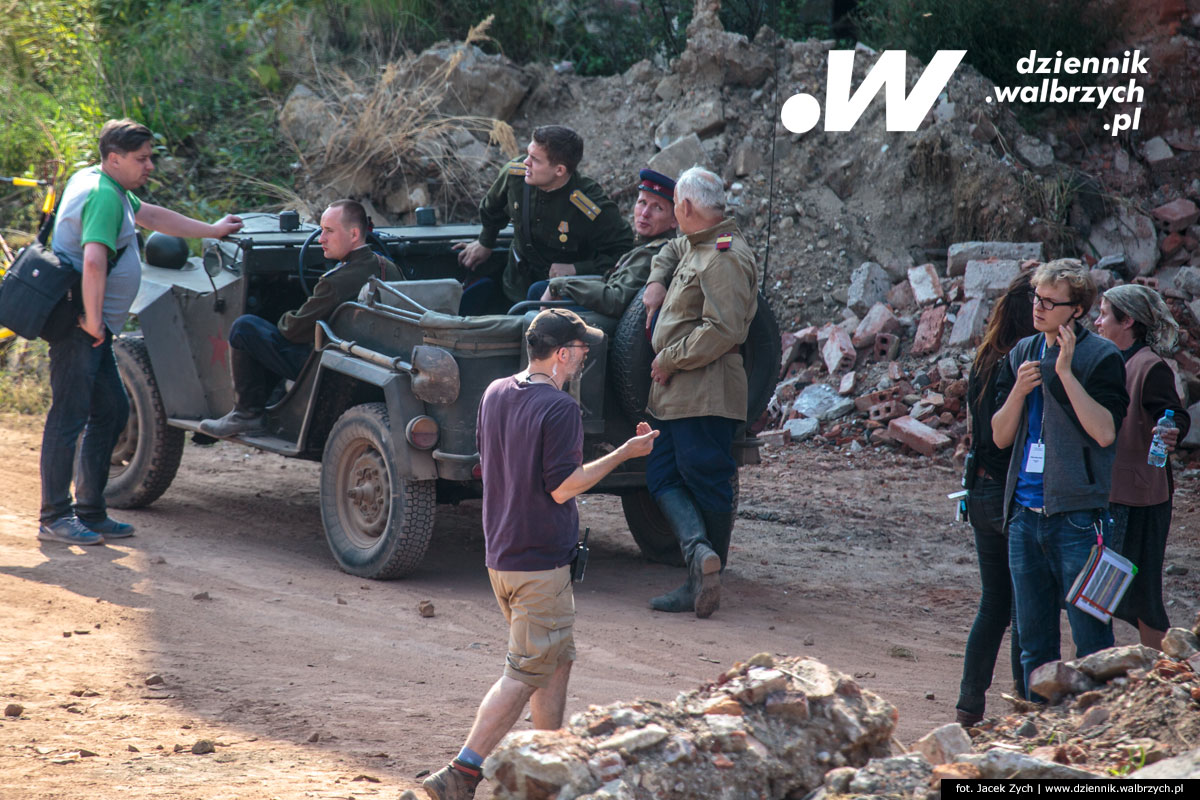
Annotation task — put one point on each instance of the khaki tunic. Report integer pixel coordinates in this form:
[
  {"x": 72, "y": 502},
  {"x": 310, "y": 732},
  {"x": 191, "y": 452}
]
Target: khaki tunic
[
  {"x": 712, "y": 297},
  {"x": 573, "y": 224},
  {"x": 612, "y": 294},
  {"x": 336, "y": 286}
]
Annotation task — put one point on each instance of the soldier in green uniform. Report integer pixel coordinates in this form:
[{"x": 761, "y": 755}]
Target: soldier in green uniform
[
  {"x": 564, "y": 222},
  {"x": 654, "y": 224}
]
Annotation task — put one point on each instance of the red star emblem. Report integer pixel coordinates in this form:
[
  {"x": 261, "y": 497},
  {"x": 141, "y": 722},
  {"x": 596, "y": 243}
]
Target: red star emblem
[{"x": 220, "y": 351}]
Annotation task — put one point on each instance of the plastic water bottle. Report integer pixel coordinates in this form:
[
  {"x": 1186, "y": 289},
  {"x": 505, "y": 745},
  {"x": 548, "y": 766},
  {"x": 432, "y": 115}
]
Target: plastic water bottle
[{"x": 1158, "y": 449}]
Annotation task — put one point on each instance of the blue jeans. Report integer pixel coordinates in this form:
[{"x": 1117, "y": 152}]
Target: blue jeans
[
  {"x": 985, "y": 508},
  {"x": 1045, "y": 553},
  {"x": 86, "y": 396},
  {"x": 694, "y": 453}
]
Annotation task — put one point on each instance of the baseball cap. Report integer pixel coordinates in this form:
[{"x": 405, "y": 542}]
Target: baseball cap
[{"x": 559, "y": 326}]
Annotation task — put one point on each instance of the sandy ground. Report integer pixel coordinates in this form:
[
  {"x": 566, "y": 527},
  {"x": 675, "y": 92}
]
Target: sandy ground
[{"x": 315, "y": 684}]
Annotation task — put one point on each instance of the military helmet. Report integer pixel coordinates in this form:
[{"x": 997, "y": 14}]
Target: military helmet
[{"x": 163, "y": 250}]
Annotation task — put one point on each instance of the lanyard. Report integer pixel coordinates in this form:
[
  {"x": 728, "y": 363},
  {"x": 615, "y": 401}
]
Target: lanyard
[{"x": 1042, "y": 429}]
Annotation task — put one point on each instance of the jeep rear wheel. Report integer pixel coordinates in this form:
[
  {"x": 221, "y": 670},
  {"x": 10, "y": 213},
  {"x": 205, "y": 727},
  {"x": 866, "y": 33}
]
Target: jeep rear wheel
[
  {"x": 378, "y": 524},
  {"x": 147, "y": 454}
]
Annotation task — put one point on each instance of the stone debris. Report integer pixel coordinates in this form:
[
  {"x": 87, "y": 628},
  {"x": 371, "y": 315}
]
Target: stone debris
[
  {"x": 14, "y": 710},
  {"x": 765, "y": 729}
]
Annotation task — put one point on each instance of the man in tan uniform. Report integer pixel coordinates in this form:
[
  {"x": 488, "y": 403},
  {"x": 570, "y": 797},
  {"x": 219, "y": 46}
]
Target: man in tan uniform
[
  {"x": 654, "y": 224},
  {"x": 707, "y": 284}
]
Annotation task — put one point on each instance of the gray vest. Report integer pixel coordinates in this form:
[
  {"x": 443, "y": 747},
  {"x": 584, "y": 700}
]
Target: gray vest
[
  {"x": 1078, "y": 471},
  {"x": 122, "y": 285}
]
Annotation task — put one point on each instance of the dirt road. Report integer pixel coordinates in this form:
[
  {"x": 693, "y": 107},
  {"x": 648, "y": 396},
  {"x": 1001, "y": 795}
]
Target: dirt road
[{"x": 311, "y": 683}]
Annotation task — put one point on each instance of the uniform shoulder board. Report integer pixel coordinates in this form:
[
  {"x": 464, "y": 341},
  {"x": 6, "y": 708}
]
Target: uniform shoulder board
[
  {"x": 724, "y": 241},
  {"x": 654, "y": 244},
  {"x": 516, "y": 167},
  {"x": 585, "y": 204}
]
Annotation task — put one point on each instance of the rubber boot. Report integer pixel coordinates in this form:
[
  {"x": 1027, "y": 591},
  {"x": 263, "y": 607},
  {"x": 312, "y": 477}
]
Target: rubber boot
[
  {"x": 719, "y": 525},
  {"x": 701, "y": 593},
  {"x": 249, "y": 398}
]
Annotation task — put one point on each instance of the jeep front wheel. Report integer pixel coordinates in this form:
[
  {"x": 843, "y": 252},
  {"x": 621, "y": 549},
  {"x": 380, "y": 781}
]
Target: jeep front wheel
[
  {"x": 378, "y": 523},
  {"x": 146, "y": 456}
]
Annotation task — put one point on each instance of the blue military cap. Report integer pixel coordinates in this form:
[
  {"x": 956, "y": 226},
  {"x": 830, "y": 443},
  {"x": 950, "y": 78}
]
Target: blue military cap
[{"x": 657, "y": 183}]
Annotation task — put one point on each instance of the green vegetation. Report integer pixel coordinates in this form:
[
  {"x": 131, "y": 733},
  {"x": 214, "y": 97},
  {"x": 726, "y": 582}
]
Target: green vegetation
[{"x": 995, "y": 36}]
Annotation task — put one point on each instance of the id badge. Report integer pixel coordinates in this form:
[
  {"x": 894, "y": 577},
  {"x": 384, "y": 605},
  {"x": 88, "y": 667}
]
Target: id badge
[{"x": 1036, "y": 463}]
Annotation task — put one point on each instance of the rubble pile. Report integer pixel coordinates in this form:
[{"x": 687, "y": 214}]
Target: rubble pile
[
  {"x": 1112, "y": 715},
  {"x": 892, "y": 371},
  {"x": 765, "y": 729}
]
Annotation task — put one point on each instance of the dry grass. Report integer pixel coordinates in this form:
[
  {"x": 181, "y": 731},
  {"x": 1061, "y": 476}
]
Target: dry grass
[
  {"x": 24, "y": 377},
  {"x": 392, "y": 125}
]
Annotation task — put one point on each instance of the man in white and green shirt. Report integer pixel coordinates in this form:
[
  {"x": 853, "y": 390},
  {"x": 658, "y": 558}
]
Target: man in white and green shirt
[{"x": 95, "y": 228}]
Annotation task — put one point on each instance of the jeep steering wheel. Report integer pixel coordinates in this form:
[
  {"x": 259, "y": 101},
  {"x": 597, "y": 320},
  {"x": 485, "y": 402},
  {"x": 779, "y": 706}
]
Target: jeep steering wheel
[{"x": 376, "y": 243}]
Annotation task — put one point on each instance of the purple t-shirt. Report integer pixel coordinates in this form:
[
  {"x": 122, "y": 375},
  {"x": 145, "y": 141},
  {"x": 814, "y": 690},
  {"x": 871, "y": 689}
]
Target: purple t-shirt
[{"x": 530, "y": 438}]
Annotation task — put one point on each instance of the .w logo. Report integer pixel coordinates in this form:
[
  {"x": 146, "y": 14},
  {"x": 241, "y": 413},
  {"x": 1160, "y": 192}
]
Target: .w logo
[{"x": 801, "y": 112}]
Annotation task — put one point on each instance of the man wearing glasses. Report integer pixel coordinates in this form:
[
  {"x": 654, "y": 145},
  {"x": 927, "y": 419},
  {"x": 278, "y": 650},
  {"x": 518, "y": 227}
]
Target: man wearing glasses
[{"x": 1062, "y": 397}]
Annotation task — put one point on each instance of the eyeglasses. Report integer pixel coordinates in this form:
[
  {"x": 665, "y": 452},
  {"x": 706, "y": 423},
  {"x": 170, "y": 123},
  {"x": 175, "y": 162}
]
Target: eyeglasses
[{"x": 1047, "y": 304}]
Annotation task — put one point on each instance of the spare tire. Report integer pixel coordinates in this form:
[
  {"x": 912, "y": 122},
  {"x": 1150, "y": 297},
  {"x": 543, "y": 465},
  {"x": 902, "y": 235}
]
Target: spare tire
[{"x": 629, "y": 361}]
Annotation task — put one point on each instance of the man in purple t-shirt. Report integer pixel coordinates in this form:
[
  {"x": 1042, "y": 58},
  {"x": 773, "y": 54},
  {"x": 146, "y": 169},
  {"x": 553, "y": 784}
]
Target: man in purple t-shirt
[{"x": 530, "y": 437}]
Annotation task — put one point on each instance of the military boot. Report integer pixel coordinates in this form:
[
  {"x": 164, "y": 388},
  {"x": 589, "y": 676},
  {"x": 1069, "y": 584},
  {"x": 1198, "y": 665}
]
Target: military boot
[
  {"x": 702, "y": 590},
  {"x": 719, "y": 525},
  {"x": 249, "y": 399}
]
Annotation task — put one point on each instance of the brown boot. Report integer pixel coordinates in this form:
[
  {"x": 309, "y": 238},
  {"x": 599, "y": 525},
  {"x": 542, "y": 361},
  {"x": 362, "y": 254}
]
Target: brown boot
[{"x": 455, "y": 781}]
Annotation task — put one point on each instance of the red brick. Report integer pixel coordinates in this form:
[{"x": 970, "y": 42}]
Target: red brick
[
  {"x": 838, "y": 352},
  {"x": 895, "y": 372},
  {"x": 1150, "y": 282},
  {"x": 919, "y": 436},
  {"x": 1177, "y": 215},
  {"x": 887, "y": 410},
  {"x": 1171, "y": 244},
  {"x": 865, "y": 402},
  {"x": 956, "y": 388},
  {"x": 926, "y": 284},
  {"x": 807, "y": 335},
  {"x": 887, "y": 347},
  {"x": 776, "y": 438},
  {"x": 901, "y": 296},
  {"x": 929, "y": 331},
  {"x": 879, "y": 319}
]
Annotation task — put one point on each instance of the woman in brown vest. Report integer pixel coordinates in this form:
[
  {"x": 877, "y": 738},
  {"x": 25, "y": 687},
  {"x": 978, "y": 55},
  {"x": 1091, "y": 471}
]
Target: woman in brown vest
[{"x": 1136, "y": 320}]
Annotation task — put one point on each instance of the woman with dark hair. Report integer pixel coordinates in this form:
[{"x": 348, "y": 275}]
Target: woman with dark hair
[
  {"x": 987, "y": 468},
  {"x": 1136, "y": 320}
]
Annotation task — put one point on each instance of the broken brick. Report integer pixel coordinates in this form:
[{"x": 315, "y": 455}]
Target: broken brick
[
  {"x": 1177, "y": 215},
  {"x": 969, "y": 324},
  {"x": 917, "y": 435},
  {"x": 989, "y": 278},
  {"x": 895, "y": 372},
  {"x": 886, "y": 411},
  {"x": 879, "y": 319},
  {"x": 847, "y": 385},
  {"x": 776, "y": 438},
  {"x": 929, "y": 331},
  {"x": 838, "y": 352},
  {"x": 1147, "y": 281},
  {"x": 865, "y": 402},
  {"x": 1171, "y": 244},
  {"x": 901, "y": 296},
  {"x": 887, "y": 345},
  {"x": 926, "y": 284}
]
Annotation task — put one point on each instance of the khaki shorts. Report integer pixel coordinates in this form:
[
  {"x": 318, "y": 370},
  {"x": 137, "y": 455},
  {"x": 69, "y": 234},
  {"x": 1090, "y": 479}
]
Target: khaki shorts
[{"x": 540, "y": 609}]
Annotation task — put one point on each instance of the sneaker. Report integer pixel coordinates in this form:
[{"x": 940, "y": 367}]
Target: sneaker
[
  {"x": 455, "y": 781},
  {"x": 68, "y": 530},
  {"x": 235, "y": 423},
  {"x": 109, "y": 528}
]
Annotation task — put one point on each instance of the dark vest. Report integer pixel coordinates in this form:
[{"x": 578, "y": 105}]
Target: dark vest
[{"x": 1135, "y": 482}]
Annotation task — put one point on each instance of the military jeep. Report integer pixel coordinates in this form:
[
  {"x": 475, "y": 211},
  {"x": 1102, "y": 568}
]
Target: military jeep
[{"x": 387, "y": 401}]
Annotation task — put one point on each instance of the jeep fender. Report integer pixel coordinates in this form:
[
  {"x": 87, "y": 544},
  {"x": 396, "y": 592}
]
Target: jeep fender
[{"x": 401, "y": 405}]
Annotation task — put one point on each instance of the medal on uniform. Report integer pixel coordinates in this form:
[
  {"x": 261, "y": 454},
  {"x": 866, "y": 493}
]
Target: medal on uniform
[{"x": 563, "y": 229}]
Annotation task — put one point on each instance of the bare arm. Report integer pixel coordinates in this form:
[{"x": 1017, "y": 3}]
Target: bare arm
[
  {"x": 95, "y": 276},
  {"x": 164, "y": 220},
  {"x": 588, "y": 475}
]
